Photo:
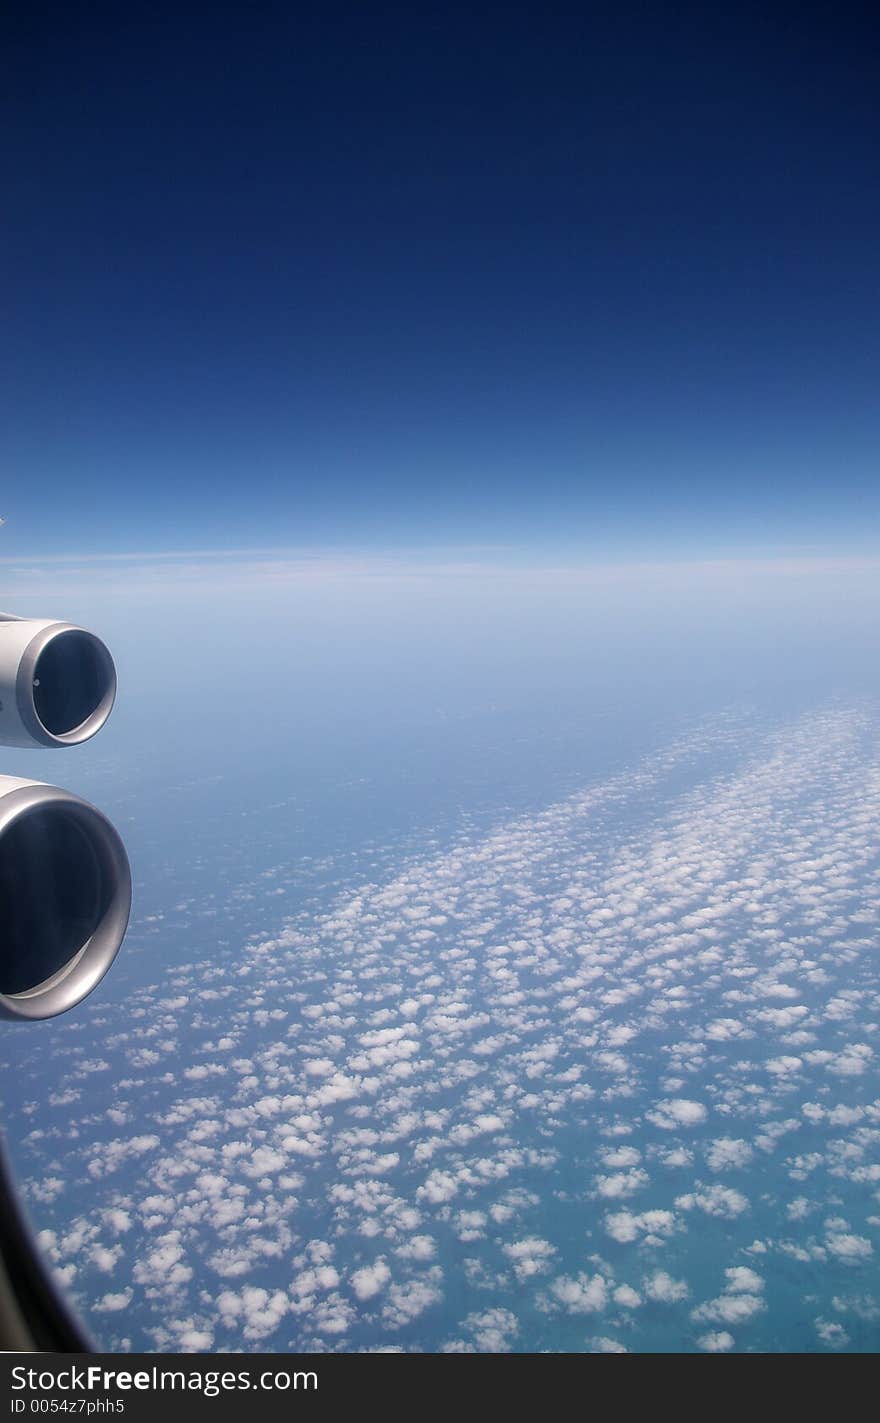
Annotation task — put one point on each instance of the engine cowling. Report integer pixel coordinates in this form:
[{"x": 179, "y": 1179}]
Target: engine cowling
[
  {"x": 57, "y": 682},
  {"x": 65, "y": 898}
]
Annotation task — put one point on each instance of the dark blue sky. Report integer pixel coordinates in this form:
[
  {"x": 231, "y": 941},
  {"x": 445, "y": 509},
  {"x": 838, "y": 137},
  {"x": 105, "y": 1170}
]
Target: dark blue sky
[{"x": 594, "y": 277}]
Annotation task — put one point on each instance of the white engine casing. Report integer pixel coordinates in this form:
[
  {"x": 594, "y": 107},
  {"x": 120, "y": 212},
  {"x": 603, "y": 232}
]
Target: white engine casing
[
  {"x": 65, "y": 898},
  {"x": 57, "y": 682}
]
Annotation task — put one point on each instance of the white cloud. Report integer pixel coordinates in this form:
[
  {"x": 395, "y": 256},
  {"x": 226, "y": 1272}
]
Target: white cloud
[
  {"x": 716, "y": 1343},
  {"x": 728, "y": 1153},
  {"x": 370, "y": 1279},
  {"x": 493, "y": 1330},
  {"x": 602, "y": 1344},
  {"x": 742, "y": 1280},
  {"x": 848, "y": 1246},
  {"x": 408, "y": 1300},
  {"x": 716, "y": 1200},
  {"x": 114, "y": 1302},
  {"x": 625, "y": 1226},
  {"x": 730, "y": 1309},
  {"x": 663, "y": 1289},
  {"x": 677, "y": 1112},
  {"x": 531, "y": 1256},
  {"x": 620, "y": 1184},
  {"x": 832, "y": 1333},
  {"x": 580, "y": 1294}
]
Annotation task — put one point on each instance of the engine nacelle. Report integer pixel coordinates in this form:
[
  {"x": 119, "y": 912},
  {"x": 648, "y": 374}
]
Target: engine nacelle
[
  {"x": 57, "y": 682},
  {"x": 65, "y": 898}
]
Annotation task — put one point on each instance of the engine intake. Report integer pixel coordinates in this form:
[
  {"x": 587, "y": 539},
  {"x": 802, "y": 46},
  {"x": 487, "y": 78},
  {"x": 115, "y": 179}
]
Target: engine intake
[
  {"x": 57, "y": 683},
  {"x": 65, "y": 898}
]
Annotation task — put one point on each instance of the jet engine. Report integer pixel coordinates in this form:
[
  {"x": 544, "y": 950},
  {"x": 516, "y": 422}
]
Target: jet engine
[
  {"x": 65, "y": 882},
  {"x": 57, "y": 683},
  {"x": 65, "y": 896}
]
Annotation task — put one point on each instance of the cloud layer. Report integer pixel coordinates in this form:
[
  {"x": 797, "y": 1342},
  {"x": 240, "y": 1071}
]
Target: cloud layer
[{"x": 605, "y": 1077}]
